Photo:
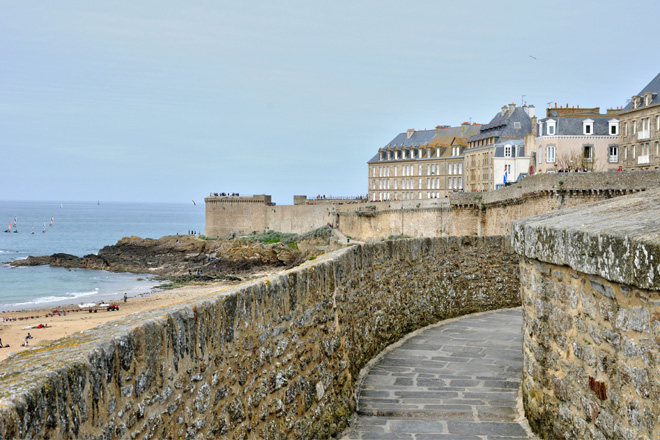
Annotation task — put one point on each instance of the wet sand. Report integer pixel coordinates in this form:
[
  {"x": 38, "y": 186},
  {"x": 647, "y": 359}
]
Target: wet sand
[{"x": 73, "y": 319}]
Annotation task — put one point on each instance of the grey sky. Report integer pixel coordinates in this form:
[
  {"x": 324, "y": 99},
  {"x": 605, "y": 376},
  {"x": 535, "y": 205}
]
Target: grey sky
[{"x": 167, "y": 101}]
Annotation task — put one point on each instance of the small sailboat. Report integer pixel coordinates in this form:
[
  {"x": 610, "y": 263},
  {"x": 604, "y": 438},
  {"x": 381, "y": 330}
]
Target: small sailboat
[
  {"x": 98, "y": 203},
  {"x": 61, "y": 206},
  {"x": 44, "y": 227},
  {"x": 194, "y": 203},
  {"x": 9, "y": 229},
  {"x": 32, "y": 231},
  {"x": 15, "y": 221},
  {"x": 51, "y": 221}
]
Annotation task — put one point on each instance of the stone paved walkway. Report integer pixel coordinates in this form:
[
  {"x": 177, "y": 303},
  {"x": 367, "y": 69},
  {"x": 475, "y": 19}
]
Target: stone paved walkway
[{"x": 457, "y": 380}]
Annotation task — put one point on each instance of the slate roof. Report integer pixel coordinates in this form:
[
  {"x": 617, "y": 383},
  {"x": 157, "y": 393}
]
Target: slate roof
[
  {"x": 653, "y": 87},
  {"x": 444, "y": 136},
  {"x": 422, "y": 137},
  {"x": 572, "y": 125},
  {"x": 502, "y": 126},
  {"x": 518, "y": 149}
]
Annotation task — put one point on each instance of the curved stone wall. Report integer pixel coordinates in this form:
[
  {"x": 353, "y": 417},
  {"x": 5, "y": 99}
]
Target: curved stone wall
[
  {"x": 590, "y": 283},
  {"x": 272, "y": 359}
]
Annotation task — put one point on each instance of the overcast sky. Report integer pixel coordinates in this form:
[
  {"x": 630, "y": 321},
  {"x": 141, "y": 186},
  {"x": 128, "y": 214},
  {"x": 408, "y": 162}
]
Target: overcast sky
[{"x": 167, "y": 101}]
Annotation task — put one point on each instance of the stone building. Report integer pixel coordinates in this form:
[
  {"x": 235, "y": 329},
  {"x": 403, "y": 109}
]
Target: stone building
[
  {"x": 511, "y": 123},
  {"x": 577, "y": 138},
  {"x": 420, "y": 164},
  {"x": 640, "y": 129},
  {"x": 510, "y": 163}
]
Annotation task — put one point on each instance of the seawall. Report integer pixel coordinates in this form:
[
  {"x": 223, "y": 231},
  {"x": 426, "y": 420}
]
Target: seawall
[
  {"x": 590, "y": 282},
  {"x": 492, "y": 212},
  {"x": 272, "y": 359}
]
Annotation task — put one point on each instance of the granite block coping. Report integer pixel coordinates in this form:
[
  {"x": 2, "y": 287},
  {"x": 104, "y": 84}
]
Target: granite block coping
[{"x": 617, "y": 239}]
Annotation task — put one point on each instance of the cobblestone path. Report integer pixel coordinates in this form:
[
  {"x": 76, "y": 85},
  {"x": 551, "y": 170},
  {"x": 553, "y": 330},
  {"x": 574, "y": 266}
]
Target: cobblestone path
[{"x": 457, "y": 380}]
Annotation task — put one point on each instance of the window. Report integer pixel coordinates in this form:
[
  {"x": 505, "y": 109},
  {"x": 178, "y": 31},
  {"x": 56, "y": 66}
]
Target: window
[
  {"x": 588, "y": 153},
  {"x": 588, "y": 127},
  {"x": 516, "y": 125},
  {"x": 657, "y": 122},
  {"x": 551, "y": 127},
  {"x": 613, "y": 154},
  {"x": 634, "y": 127},
  {"x": 507, "y": 151},
  {"x": 625, "y": 126},
  {"x": 550, "y": 156},
  {"x": 541, "y": 154},
  {"x": 614, "y": 127},
  {"x": 625, "y": 153},
  {"x": 634, "y": 151}
]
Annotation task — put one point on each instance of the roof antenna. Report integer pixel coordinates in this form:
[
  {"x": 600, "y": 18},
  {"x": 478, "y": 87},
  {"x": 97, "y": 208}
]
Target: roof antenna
[{"x": 523, "y": 100}]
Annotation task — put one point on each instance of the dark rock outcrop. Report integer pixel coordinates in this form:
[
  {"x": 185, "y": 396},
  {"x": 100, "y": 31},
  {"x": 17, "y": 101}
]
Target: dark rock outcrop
[{"x": 183, "y": 255}]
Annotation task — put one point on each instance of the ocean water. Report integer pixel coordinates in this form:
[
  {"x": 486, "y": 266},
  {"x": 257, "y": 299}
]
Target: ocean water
[{"x": 80, "y": 228}]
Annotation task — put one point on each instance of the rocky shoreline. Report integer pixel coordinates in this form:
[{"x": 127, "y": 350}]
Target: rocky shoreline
[{"x": 185, "y": 258}]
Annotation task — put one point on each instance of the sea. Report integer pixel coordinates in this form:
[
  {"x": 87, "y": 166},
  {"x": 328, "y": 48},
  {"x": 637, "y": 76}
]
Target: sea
[{"x": 80, "y": 228}]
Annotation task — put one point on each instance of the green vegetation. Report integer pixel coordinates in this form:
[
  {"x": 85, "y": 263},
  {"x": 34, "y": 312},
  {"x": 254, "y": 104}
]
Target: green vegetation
[
  {"x": 398, "y": 237},
  {"x": 312, "y": 258},
  {"x": 204, "y": 237},
  {"x": 293, "y": 246}
]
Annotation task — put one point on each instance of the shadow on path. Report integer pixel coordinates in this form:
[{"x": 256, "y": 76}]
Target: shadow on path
[{"x": 456, "y": 380}]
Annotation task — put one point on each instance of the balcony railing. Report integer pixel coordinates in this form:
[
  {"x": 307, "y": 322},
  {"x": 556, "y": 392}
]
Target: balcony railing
[
  {"x": 643, "y": 134},
  {"x": 643, "y": 160}
]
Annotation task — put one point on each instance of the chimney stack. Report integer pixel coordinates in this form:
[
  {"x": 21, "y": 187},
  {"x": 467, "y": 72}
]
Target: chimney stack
[
  {"x": 530, "y": 111},
  {"x": 504, "y": 109},
  {"x": 512, "y": 107}
]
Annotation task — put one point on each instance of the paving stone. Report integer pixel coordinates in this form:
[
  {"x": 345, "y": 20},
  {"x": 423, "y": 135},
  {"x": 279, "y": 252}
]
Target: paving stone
[{"x": 456, "y": 381}]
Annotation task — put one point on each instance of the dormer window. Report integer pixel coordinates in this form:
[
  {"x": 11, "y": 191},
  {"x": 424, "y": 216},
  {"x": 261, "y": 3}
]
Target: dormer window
[
  {"x": 552, "y": 125},
  {"x": 588, "y": 127},
  {"x": 388, "y": 155},
  {"x": 507, "y": 151},
  {"x": 613, "y": 127},
  {"x": 516, "y": 125}
]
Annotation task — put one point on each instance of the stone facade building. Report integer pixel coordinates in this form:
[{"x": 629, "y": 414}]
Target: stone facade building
[
  {"x": 512, "y": 123},
  {"x": 577, "y": 138},
  {"x": 640, "y": 129},
  {"x": 420, "y": 164}
]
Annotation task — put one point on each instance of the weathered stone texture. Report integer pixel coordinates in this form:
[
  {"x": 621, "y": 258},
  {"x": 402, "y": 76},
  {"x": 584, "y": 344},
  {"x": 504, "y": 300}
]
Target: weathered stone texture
[
  {"x": 590, "y": 283},
  {"x": 492, "y": 212},
  {"x": 273, "y": 359}
]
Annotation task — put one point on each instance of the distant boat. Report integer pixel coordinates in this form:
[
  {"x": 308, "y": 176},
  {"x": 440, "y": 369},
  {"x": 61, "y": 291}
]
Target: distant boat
[
  {"x": 194, "y": 203},
  {"x": 9, "y": 229},
  {"x": 61, "y": 206},
  {"x": 44, "y": 227},
  {"x": 98, "y": 202},
  {"x": 14, "y": 221},
  {"x": 51, "y": 221},
  {"x": 32, "y": 230}
]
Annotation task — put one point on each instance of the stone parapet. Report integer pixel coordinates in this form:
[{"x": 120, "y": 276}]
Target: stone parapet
[
  {"x": 590, "y": 285},
  {"x": 618, "y": 239},
  {"x": 615, "y": 183},
  {"x": 273, "y": 359}
]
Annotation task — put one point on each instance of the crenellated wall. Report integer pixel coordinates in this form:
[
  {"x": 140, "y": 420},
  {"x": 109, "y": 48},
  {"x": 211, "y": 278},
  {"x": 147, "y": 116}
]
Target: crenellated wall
[
  {"x": 590, "y": 283},
  {"x": 273, "y": 359}
]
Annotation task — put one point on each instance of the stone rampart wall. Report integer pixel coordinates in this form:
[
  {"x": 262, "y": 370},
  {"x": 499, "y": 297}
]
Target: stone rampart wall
[
  {"x": 492, "y": 212},
  {"x": 590, "y": 282},
  {"x": 273, "y": 359}
]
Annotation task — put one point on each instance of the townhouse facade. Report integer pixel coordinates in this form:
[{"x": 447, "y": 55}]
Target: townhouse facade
[
  {"x": 420, "y": 164},
  {"x": 571, "y": 139},
  {"x": 495, "y": 140},
  {"x": 640, "y": 129}
]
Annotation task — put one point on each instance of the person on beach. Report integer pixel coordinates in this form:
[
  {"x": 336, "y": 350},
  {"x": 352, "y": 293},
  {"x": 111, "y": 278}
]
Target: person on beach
[{"x": 125, "y": 297}]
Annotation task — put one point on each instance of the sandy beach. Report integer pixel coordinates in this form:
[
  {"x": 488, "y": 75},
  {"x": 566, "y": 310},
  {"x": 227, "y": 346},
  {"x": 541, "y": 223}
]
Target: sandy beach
[{"x": 71, "y": 319}]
